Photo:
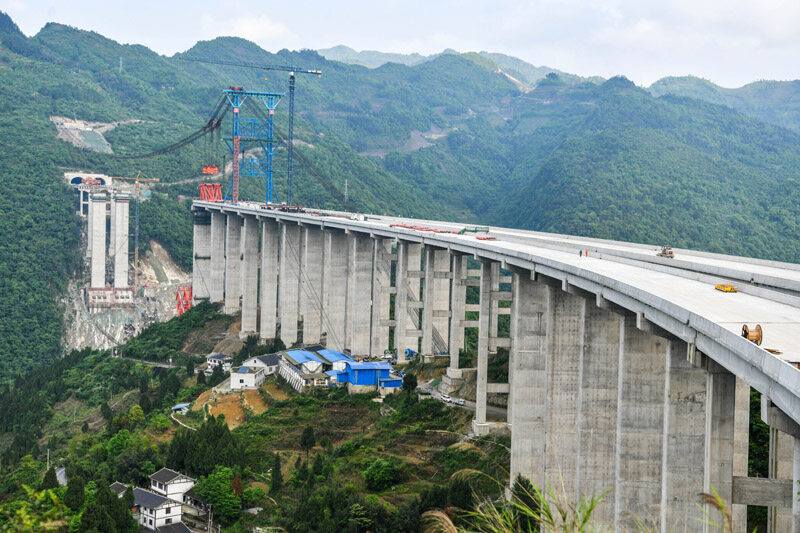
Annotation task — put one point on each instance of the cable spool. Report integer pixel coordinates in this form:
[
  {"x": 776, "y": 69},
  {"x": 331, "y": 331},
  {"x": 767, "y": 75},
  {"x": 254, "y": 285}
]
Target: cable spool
[{"x": 753, "y": 335}]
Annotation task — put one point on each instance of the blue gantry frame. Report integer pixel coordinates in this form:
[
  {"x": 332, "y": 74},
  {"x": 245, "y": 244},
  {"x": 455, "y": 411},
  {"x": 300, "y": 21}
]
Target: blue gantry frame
[{"x": 253, "y": 132}]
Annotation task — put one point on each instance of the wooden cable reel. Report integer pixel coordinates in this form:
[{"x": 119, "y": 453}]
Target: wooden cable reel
[{"x": 753, "y": 335}]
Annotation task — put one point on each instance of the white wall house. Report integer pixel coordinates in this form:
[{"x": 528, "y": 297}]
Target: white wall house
[
  {"x": 156, "y": 510},
  {"x": 218, "y": 359},
  {"x": 247, "y": 377},
  {"x": 269, "y": 363},
  {"x": 171, "y": 484}
]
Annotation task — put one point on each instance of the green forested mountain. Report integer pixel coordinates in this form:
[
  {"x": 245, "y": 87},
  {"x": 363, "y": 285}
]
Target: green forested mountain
[
  {"x": 451, "y": 137},
  {"x": 775, "y": 102}
]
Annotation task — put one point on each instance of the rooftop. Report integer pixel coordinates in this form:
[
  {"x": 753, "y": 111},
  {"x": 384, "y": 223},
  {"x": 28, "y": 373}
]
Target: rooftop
[
  {"x": 177, "y": 527},
  {"x": 371, "y": 365},
  {"x": 219, "y": 356},
  {"x": 180, "y": 406},
  {"x": 248, "y": 370},
  {"x": 165, "y": 475},
  {"x": 298, "y": 357},
  {"x": 118, "y": 487},
  {"x": 272, "y": 359},
  {"x": 151, "y": 500},
  {"x": 333, "y": 356}
]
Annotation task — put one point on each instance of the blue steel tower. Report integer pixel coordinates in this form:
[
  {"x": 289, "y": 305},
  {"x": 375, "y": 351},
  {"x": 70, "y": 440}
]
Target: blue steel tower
[{"x": 251, "y": 133}]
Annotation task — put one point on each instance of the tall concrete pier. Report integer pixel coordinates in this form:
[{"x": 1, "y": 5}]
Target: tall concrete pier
[
  {"x": 627, "y": 374},
  {"x": 97, "y": 238}
]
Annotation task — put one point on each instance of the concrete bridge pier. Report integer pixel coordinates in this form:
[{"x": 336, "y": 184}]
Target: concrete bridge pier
[
  {"x": 381, "y": 294},
  {"x": 269, "y": 279},
  {"x": 406, "y": 303},
  {"x": 359, "y": 293},
  {"x": 250, "y": 233},
  {"x": 289, "y": 282},
  {"x": 216, "y": 285},
  {"x": 480, "y": 426},
  {"x": 335, "y": 289},
  {"x": 458, "y": 302},
  {"x": 201, "y": 256},
  {"x": 311, "y": 283},
  {"x": 233, "y": 263},
  {"x": 436, "y": 301}
]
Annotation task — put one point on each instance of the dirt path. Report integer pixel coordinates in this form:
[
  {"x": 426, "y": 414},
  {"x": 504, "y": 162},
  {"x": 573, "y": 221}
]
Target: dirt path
[
  {"x": 254, "y": 401},
  {"x": 181, "y": 423}
]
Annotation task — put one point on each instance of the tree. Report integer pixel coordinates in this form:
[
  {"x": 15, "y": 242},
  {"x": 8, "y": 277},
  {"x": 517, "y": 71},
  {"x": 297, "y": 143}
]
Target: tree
[
  {"x": 307, "y": 440},
  {"x": 201, "y": 378},
  {"x": 106, "y": 411},
  {"x": 381, "y": 474},
  {"x": 524, "y": 496},
  {"x": 136, "y": 416},
  {"x": 144, "y": 403},
  {"x": 85, "y": 427},
  {"x": 144, "y": 383},
  {"x": 277, "y": 476},
  {"x": 190, "y": 366},
  {"x": 409, "y": 383},
  {"x": 50, "y": 480},
  {"x": 236, "y": 485},
  {"x": 216, "y": 490},
  {"x": 217, "y": 376},
  {"x": 74, "y": 496}
]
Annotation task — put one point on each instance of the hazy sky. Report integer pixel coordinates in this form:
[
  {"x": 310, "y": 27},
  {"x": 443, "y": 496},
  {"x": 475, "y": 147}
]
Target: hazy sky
[{"x": 730, "y": 42}]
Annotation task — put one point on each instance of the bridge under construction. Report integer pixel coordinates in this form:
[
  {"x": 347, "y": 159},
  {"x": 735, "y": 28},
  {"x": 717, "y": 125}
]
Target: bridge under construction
[{"x": 628, "y": 371}]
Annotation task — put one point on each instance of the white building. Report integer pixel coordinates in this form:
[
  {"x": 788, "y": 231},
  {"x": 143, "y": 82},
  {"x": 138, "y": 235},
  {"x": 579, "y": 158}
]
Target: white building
[
  {"x": 156, "y": 510},
  {"x": 218, "y": 359},
  {"x": 247, "y": 377},
  {"x": 171, "y": 484},
  {"x": 269, "y": 363}
]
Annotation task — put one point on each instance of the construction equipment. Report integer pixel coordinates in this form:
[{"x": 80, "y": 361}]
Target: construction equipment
[
  {"x": 292, "y": 70},
  {"x": 475, "y": 229},
  {"x": 666, "y": 251},
  {"x": 211, "y": 192},
  {"x": 724, "y": 287},
  {"x": 138, "y": 179},
  {"x": 753, "y": 335},
  {"x": 183, "y": 299}
]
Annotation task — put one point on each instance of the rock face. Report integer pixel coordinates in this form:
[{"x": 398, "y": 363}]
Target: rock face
[{"x": 159, "y": 278}]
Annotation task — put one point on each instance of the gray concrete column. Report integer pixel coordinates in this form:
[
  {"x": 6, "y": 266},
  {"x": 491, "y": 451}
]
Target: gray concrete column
[
  {"x": 97, "y": 213},
  {"x": 781, "y": 466},
  {"x": 216, "y": 286},
  {"x": 796, "y": 486},
  {"x": 381, "y": 289},
  {"x": 311, "y": 284},
  {"x": 495, "y": 305},
  {"x": 200, "y": 255},
  {"x": 565, "y": 346},
  {"x": 684, "y": 441},
  {"x": 359, "y": 293},
  {"x": 479, "y": 425},
  {"x": 289, "y": 282},
  {"x": 249, "y": 276},
  {"x": 458, "y": 303},
  {"x": 120, "y": 232},
  {"x": 112, "y": 230},
  {"x": 741, "y": 449},
  {"x": 233, "y": 263},
  {"x": 406, "y": 332},
  {"x": 597, "y": 404},
  {"x": 529, "y": 325},
  {"x": 719, "y": 433},
  {"x": 436, "y": 301},
  {"x": 640, "y": 426},
  {"x": 269, "y": 279},
  {"x": 335, "y": 289},
  {"x": 89, "y": 226}
]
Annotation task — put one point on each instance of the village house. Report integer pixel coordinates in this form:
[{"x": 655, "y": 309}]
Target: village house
[
  {"x": 156, "y": 510},
  {"x": 171, "y": 484},
  {"x": 247, "y": 377},
  {"x": 368, "y": 377},
  {"x": 218, "y": 359},
  {"x": 269, "y": 363}
]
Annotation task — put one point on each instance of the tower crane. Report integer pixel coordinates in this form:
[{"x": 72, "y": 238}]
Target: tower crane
[
  {"x": 292, "y": 70},
  {"x": 138, "y": 179}
]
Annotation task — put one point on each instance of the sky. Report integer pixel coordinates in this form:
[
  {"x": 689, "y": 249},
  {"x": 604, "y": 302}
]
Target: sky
[{"x": 730, "y": 42}]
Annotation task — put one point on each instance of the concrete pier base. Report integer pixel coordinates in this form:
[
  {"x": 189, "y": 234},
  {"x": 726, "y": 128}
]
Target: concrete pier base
[
  {"x": 335, "y": 289},
  {"x": 201, "y": 258},
  {"x": 381, "y": 288}
]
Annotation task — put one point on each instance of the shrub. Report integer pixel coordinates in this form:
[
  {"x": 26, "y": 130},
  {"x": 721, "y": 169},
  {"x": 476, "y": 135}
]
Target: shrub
[{"x": 381, "y": 474}]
